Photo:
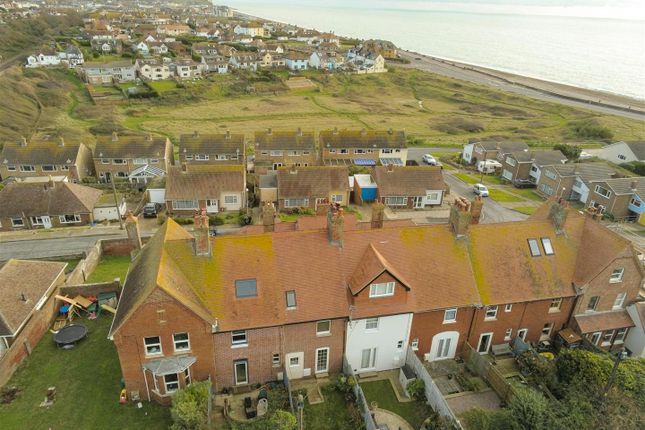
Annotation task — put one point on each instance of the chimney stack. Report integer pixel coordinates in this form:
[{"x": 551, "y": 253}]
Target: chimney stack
[
  {"x": 299, "y": 132},
  {"x": 200, "y": 233},
  {"x": 558, "y": 214},
  {"x": 268, "y": 217},
  {"x": 269, "y": 131},
  {"x": 228, "y": 134},
  {"x": 134, "y": 234},
  {"x": 378, "y": 213},
  {"x": 115, "y": 136},
  {"x": 335, "y": 130},
  {"x": 149, "y": 137},
  {"x": 23, "y": 141},
  {"x": 61, "y": 142},
  {"x": 363, "y": 132},
  {"x": 335, "y": 223},
  {"x": 633, "y": 185},
  {"x": 390, "y": 131},
  {"x": 389, "y": 167},
  {"x": 476, "y": 209},
  {"x": 195, "y": 133},
  {"x": 460, "y": 216}
]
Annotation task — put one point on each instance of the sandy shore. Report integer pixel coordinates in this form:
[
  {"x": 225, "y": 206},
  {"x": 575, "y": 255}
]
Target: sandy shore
[{"x": 545, "y": 90}]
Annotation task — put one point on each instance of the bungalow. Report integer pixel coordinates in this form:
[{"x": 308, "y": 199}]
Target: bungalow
[
  {"x": 211, "y": 188},
  {"x": 363, "y": 147},
  {"x": 25, "y": 205},
  {"x": 46, "y": 156},
  {"x": 526, "y": 165},
  {"x": 414, "y": 187},
  {"x": 133, "y": 158},
  {"x": 622, "y": 198},
  {"x": 217, "y": 148},
  {"x": 624, "y": 152},
  {"x": 108, "y": 73},
  {"x": 274, "y": 149},
  {"x": 312, "y": 187}
]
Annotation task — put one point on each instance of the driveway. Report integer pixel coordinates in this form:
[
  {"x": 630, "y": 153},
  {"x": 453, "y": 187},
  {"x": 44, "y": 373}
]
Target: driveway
[
  {"x": 416, "y": 153},
  {"x": 49, "y": 248}
]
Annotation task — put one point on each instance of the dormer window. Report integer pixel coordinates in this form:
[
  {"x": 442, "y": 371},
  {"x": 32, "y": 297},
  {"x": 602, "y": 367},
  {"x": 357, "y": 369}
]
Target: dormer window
[
  {"x": 534, "y": 248},
  {"x": 246, "y": 288},
  {"x": 384, "y": 289}
]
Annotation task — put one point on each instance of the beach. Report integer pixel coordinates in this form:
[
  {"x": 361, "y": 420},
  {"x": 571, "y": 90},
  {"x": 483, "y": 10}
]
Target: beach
[{"x": 549, "y": 91}]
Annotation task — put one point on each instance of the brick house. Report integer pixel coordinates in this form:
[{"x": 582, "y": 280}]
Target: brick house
[
  {"x": 133, "y": 158},
  {"x": 312, "y": 187},
  {"x": 526, "y": 165},
  {"x": 274, "y": 149},
  {"x": 209, "y": 187},
  {"x": 475, "y": 151},
  {"x": 46, "y": 156},
  {"x": 621, "y": 197},
  {"x": 27, "y": 308},
  {"x": 222, "y": 148},
  {"x": 365, "y": 147},
  {"x": 26, "y": 205},
  {"x": 572, "y": 181},
  {"x": 414, "y": 187},
  {"x": 245, "y": 308}
]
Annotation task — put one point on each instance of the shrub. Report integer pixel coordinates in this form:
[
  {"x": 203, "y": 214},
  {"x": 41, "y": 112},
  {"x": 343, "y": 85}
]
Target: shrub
[
  {"x": 481, "y": 419},
  {"x": 161, "y": 218},
  {"x": 529, "y": 408},
  {"x": 190, "y": 407},
  {"x": 417, "y": 389},
  {"x": 183, "y": 220},
  {"x": 572, "y": 152},
  {"x": 637, "y": 167},
  {"x": 591, "y": 129}
]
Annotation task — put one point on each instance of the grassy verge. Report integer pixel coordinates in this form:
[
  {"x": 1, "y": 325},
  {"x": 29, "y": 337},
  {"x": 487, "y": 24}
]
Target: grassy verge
[
  {"x": 526, "y": 210},
  {"x": 110, "y": 267},
  {"x": 382, "y": 393},
  {"x": 466, "y": 178},
  {"x": 87, "y": 380},
  {"x": 331, "y": 414},
  {"x": 503, "y": 196},
  {"x": 528, "y": 194}
]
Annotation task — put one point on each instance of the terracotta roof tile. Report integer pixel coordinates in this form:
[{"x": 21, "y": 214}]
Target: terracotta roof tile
[
  {"x": 309, "y": 182},
  {"x": 612, "y": 320},
  {"x": 36, "y": 199},
  {"x": 131, "y": 147},
  {"x": 203, "y": 182},
  {"x": 362, "y": 139},
  {"x": 408, "y": 181}
]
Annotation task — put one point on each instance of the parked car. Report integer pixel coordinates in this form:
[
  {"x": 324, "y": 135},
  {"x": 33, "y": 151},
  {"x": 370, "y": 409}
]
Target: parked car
[
  {"x": 523, "y": 183},
  {"x": 480, "y": 190},
  {"x": 150, "y": 210},
  {"x": 429, "y": 159}
]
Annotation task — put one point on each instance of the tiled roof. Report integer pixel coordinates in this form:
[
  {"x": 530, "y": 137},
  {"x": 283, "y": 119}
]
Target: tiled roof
[
  {"x": 505, "y": 146},
  {"x": 408, "y": 181},
  {"x": 602, "y": 321},
  {"x": 586, "y": 171},
  {"x": 311, "y": 181},
  {"x": 362, "y": 139},
  {"x": 131, "y": 147},
  {"x": 284, "y": 140},
  {"x": 269, "y": 180},
  {"x": 627, "y": 185},
  {"x": 211, "y": 143},
  {"x": 545, "y": 158},
  {"x": 42, "y": 151},
  {"x": 638, "y": 148},
  {"x": 32, "y": 279},
  {"x": 37, "y": 199},
  {"x": 203, "y": 182},
  {"x": 372, "y": 265}
]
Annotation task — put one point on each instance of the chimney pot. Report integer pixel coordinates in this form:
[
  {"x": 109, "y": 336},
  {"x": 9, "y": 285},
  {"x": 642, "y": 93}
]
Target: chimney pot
[
  {"x": 363, "y": 132},
  {"x": 23, "y": 141},
  {"x": 390, "y": 131},
  {"x": 149, "y": 137},
  {"x": 132, "y": 229},
  {"x": 61, "y": 142},
  {"x": 195, "y": 133},
  {"x": 269, "y": 131},
  {"x": 299, "y": 131},
  {"x": 335, "y": 130},
  {"x": 200, "y": 233},
  {"x": 228, "y": 134},
  {"x": 115, "y": 136},
  {"x": 633, "y": 185}
]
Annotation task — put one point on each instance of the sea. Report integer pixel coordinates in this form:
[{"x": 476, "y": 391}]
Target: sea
[{"x": 593, "y": 44}]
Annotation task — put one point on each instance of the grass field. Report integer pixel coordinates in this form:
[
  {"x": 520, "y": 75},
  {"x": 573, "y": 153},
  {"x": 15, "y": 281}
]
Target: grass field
[
  {"x": 382, "y": 393},
  {"x": 110, "y": 267},
  {"x": 87, "y": 380},
  {"x": 163, "y": 86}
]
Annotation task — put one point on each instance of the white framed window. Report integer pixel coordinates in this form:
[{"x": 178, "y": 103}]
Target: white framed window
[
  {"x": 548, "y": 247},
  {"x": 415, "y": 344},
  {"x": 491, "y": 312},
  {"x": 238, "y": 338},
  {"x": 241, "y": 372},
  {"x": 181, "y": 342},
  {"x": 508, "y": 334},
  {"x": 546, "y": 331},
  {"x": 323, "y": 327},
  {"x": 635, "y": 202},
  {"x": 290, "y": 297},
  {"x": 17, "y": 222},
  {"x": 246, "y": 288},
  {"x": 510, "y": 161},
  {"x": 606, "y": 338},
  {"x": 322, "y": 360},
  {"x": 36, "y": 220},
  {"x": 602, "y": 191},
  {"x": 546, "y": 189},
  {"x": 154, "y": 161},
  {"x": 359, "y": 151},
  {"x": 119, "y": 161},
  {"x": 152, "y": 345},
  {"x": 620, "y": 335},
  {"x": 69, "y": 219},
  {"x": 275, "y": 359},
  {"x": 187, "y": 376},
  {"x": 139, "y": 161},
  {"x": 171, "y": 381},
  {"x": 27, "y": 168},
  {"x": 450, "y": 315},
  {"x": 396, "y": 201},
  {"x": 368, "y": 358},
  {"x": 619, "y": 301},
  {"x": 595, "y": 337},
  {"x": 105, "y": 161},
  {"x": 549, "y": 174},
  {"x": 293, "y": 153},
  {"x": 521, "y": 333},
  {"x": 296, "y": 203},
  {"x": 294, "y": 361},
  {"x": 617, "y": 275},
  {"x": 555, "y": 305},
  {"x": 371, "y": 324},
  {"x": 64, "y": 167},
  {"x": 184, "y": 204},
  {"x": 201, "y": 157},
  {"x": 508, "y": 307},
  {"x": 230, "y": 200},
  {"x": 534, "y": 248},
  {"x": 276, "y": 153},
  {"x": 383, "y": 289},
  {"x": 337, "y": 198},
  {"x": 593, "y": 303},
  {"x": 48, "y": 168},
  {"x": 11, "y": 168},
  {"x": 399, "y": 344},
  {"x": 188, "y": 157},
  {"x": 343, "y": 151}
]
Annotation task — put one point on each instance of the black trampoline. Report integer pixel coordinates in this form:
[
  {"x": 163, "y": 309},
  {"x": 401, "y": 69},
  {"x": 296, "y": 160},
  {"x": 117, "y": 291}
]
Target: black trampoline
[{"x": 69, "y": 335}]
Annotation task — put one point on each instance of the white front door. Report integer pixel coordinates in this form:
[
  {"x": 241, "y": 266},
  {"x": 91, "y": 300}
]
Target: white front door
[
  {"x": 295, "y": 365},
  {"x": 47, "y": 222},
  {"x": 211, "y": 206},
  {"x": 484, "y": 342},
  {"x": 322, "y": 360},
  {"x": 418, "y": 202},
  {"x": 444, "y": 345},
  {"x": 368, "y": 359}
]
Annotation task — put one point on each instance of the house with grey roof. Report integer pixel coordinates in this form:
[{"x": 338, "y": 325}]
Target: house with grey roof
[
  {"x": 490, "y": 150},
  {"x": 573, "y": 181},
  {"x": 527, "y": 165},
  {"x": 624, "y": 152},
  {"x": 622, "y": 198},
  {"x": 212, "y": 148}
]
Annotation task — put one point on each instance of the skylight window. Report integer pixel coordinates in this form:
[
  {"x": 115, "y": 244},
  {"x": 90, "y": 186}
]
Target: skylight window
[
  {"x": 548, "y": 247},
  {"x": 246, "y": 288},
  {"x": 534, "y": 248}
]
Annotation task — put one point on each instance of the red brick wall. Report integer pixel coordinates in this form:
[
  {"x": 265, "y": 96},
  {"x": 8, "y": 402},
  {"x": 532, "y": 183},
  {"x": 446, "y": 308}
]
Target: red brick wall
[
  {"x": 147, "y": 321},
  {"x": 303, "y": 338},
  {"x": 30, "y": 335},
  {"x": 428, "y": 324},
  {"x": 400, "y": 296}
]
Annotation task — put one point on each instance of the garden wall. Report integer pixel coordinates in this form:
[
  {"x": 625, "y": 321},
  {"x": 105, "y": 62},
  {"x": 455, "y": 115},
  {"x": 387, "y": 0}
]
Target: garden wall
[
  {"x": 489, "y": 373},
  {"x": 360, "y": 397}
]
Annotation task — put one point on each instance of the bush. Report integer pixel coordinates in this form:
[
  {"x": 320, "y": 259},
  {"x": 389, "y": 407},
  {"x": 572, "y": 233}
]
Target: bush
[
  {"x": 417, "y": 389},
  {"x": 591, "y": 129},
  {"x": 481, "y": 419},
  {"x": 637, "y": 167},
  {"x": 529, "y": 408},
  {"x": 189, "y": 409},
  {"x": 161, "y": 218},
  {"x": 281, "y": 420},
  {"x": 183, "y": 220},
  {"x": 572, "y": 152}
]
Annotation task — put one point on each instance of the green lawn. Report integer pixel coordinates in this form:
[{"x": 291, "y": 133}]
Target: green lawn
[
  {"x": 163, "y": 86},
  {"x": 331, "y": 414},
  {"x": 469, "y": 179},
  {"x": 291, "y": 217},
  {"x": 382, "y": 392},
  {"x": 110, "y": 267},
  {"x": 87, "y": 380},
  {"x": 503, "y": 196},
  {"x": 526, "y": 210}
]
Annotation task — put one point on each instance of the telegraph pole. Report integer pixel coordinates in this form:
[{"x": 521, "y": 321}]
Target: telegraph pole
[{"x": 116, "y": 202}]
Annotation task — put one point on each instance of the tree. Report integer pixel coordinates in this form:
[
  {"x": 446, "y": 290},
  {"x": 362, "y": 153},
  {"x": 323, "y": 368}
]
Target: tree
[
  {"x": 189, "y": 409},
  {"x": 281, "y": 420},
  {"x": 572, "y": 152},
  {"x": 529, "y": 408}
]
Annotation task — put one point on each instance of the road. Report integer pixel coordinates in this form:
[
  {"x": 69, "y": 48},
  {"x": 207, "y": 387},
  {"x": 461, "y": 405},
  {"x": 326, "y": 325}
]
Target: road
[
  {"x": 48, "y": 248},
  {"x": 493, "y": 211}
]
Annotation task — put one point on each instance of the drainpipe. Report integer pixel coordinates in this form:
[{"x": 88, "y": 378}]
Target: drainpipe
[
  {"x": 145, "y": 378},
  {"x": 472, "y": 320}
]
